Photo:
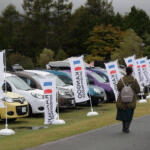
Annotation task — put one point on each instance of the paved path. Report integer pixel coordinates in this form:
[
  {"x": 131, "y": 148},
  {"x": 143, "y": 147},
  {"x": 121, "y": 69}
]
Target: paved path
[{"x": 107, "y": 138}]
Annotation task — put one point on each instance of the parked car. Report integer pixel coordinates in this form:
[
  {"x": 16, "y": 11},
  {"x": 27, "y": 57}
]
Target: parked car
[
  {"x": 97, "y": 94},
  {"x": 34, "y": 97},
  {"x": 101, "y": 72},
  {"x": 34, "y": 80},
  {"x": 95, "y": 79},
  {"x": 17, "y": 106}
]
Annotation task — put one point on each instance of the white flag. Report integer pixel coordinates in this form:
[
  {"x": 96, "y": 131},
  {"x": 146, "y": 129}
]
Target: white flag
[
  {"x": 113, "y": 75},
  {"x": 1, "y": 77},
  {"x": 130, "y": 62},
  {"x": 79, "y": 79},
  {"x": 49, "y": 87},
  {"x": 140, "y": 73},
  {"x": 144, "y": 68}
]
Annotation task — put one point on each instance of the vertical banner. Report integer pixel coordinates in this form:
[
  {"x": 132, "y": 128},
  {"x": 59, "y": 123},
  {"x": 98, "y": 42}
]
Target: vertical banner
[
  {"x": 49, "y": 87},
  {"x": 79, "y": 79},
  {"x": 113, "y": 75},
  {"x": 144, "y": 68},
  {"x": 1, "y": 77},
  {"x": 148, "y": 63},
  {"x": 130, "y": 62},
  {"x": 140, "y": 73}
]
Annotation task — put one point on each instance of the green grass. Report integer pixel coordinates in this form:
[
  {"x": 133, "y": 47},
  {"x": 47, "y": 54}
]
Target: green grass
[{"x": 76, "y": 123}]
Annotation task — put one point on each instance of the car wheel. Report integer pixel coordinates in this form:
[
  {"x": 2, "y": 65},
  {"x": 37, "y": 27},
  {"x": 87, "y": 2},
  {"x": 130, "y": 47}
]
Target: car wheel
[{"x": 30, "y": 111}]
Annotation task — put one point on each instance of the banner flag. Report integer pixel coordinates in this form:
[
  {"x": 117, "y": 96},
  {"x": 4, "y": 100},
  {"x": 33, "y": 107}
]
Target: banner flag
[
  {"x": 130, "y": 62},
  {"x": 113, "y": 75},
  {"x": 148, "y": 63},
  {"x": 1, "y": 77},
  {"x": 140, "y": 73},
  {"x": 79, "y": 79},
  {"x": 49, "y": 89},
  {"x": 144, "y": 68}
]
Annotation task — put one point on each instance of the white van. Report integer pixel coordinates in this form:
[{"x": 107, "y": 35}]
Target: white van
[{"x": 34, "y": 97}]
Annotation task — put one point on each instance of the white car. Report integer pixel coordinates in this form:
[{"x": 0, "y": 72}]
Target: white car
[
  {"x": 65, "y": 92},
  {"x": 34, "y": 97}
]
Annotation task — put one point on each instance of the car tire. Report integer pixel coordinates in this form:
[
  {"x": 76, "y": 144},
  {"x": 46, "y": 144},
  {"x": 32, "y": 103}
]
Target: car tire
[{"x": 30, "y": 111}]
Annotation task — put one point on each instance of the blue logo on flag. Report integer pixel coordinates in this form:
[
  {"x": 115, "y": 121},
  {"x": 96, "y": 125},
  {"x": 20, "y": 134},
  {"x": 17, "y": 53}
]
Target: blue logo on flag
[
  {"x": 130, "y": 60},
  {"x": 76, "y": 62},
  {"x": 47, "y": 83}
]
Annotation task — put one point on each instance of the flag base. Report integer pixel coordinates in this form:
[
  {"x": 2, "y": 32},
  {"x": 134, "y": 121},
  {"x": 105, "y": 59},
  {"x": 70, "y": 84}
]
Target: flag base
[
  {"x": 142, "y": 101},
  {"x": 58, "y": 122},
  {"x": 92, "y": 113},
  {"x": 7, "y": 132},
  {"x": 148, "y": 97}
]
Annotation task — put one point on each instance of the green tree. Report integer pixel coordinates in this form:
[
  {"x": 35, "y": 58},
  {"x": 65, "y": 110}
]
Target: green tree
[
  {"x": 94, "y": 12},
  {"x": 46, "y": 56},
  {"x": 138, "y": 20},
  {"x": 60, "y": 16},
  {"x": 131, "y": 44},
  {"x": 61, "y": 55},
  {"x": 103, "y": 41},
  {"x": 17, "y": 58},
  {"x": 146, "y": 45},
  {"x": 10, "y": 22},
  {"x": 36, "y": 29}
]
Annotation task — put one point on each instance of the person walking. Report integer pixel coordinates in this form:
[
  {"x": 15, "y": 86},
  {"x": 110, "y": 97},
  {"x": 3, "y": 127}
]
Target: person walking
[{"x": 125, "y": 109}]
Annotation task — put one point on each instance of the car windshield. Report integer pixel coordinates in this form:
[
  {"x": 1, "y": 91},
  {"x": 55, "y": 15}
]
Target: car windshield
[
  {"x": 18, "y": 83},
  {"x": 59, "y": 82},
  {"x": 65, "y": 79},
  {"x": 98, "y": 77}
]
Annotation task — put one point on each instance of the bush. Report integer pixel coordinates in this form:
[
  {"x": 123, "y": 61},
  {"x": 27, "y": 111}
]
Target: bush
[
  {"x": 45, "y": 57},
  {"x": 17, "y": 58}
]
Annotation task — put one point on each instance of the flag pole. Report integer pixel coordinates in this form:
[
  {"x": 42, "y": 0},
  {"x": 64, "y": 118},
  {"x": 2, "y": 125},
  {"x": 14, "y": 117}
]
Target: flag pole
[
  {"x": 58, "y": 121},
  {"x": 6, "y": 131}
]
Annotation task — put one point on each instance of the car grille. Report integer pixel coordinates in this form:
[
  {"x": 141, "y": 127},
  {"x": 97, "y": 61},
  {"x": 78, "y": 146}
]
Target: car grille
[{"x": 21, "y": 110}]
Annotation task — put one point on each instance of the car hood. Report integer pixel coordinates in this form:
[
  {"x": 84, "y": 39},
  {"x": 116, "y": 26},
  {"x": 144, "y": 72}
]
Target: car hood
[{"x": 38, "y": 91}]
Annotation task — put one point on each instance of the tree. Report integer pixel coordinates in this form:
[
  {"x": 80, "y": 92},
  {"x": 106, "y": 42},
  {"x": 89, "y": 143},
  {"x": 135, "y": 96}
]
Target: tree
[
  {"x": 103, "y": 41},
  {"x": 138, "y": 20},
  {"x": 36, "y": 29},
  {"x": 131, "y": 44},
  {"x": 45, "y": 57},
  {"x": 94, "y": 12},
  {"x": 146, "y": 45},
  {"x": 60, "y": 16},
  {"x": 10, "y": 23},
  {"x": 61, "y": 55},
  {"x": 17, "y": 58}
]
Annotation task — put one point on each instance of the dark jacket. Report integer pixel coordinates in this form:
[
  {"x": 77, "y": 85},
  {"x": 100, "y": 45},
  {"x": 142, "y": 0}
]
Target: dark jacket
[{"x": 128, "y": 79}]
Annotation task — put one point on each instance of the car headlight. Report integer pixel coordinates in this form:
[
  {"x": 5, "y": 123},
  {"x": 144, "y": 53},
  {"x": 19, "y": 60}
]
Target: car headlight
[
  {"x": 37, "y": 95},
  {"x": 61, "y": 92},
  {"x": 22, "y": 99},
  {"x": 97, "y": 90}
]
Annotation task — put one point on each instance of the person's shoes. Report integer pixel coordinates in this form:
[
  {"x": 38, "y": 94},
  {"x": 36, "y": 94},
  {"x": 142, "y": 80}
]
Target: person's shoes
[{"x": 126, "y": 131}]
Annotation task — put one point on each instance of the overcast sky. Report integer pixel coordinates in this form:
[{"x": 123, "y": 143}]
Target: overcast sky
[{"x": 122, "y": 6}]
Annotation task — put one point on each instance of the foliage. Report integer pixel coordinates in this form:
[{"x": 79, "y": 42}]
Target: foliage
[
  {"x": 103, "y": 41},
  {"x": 46, "y": 56},
  {"x": 138, "y": 20},
  {"x": 17, "y": 58},
  {"x": 146, "y": 45},
  {"x": 131, "y": 44},
  {"x": 61, "y": 55}
]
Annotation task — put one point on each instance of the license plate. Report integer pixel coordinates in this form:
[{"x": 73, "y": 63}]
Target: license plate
[
  {"x": 24, "y": 109},
  {"x": 72, "y": 102}
]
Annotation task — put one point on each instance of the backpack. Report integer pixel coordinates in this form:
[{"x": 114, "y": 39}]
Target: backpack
[{"x": 127, "y": 93}]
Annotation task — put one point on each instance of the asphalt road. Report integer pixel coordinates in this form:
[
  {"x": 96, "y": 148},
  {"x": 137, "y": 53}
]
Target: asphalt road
[{"x": 107, "y": 138}]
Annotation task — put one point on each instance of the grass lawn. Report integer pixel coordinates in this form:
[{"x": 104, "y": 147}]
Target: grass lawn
[{"x": 76, "y": 122}]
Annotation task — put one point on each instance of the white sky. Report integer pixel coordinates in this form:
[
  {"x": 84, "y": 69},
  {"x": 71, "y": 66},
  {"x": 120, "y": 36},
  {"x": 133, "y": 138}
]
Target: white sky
[{"x": 122, "y": 6}]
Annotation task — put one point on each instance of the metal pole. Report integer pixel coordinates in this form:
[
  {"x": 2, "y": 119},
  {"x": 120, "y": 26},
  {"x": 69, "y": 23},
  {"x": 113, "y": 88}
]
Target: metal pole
[{"x": 6, "y": 125}]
